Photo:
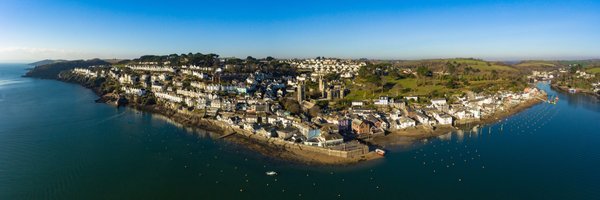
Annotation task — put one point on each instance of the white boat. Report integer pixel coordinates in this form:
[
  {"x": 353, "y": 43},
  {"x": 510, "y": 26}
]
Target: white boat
[
  {"x": 271, "y": 173},
  {"x": 381, "y": 152}
]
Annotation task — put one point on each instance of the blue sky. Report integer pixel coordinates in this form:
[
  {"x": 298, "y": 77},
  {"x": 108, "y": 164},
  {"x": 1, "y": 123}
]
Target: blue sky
[{"x": 495, "y": 30}]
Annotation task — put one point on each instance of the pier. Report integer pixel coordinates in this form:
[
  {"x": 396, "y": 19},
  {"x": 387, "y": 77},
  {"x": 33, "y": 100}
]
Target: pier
[{"x": 227, "y": 135}]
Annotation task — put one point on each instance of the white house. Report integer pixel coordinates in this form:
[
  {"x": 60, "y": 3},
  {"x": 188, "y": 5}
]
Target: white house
[
  {"x": 414, "y": 98},
  {"x": 423, "y": 119},
  {"x": 134, "y": 91},
  {"x": 444, "y": 119},
  {"x": 438, "y": 102},
  {"x": 383, "y": 101},
  {"x": 168, "y": 97},
  {"x": 357, "y": 103},
  {"x": 405, "y": 122}
]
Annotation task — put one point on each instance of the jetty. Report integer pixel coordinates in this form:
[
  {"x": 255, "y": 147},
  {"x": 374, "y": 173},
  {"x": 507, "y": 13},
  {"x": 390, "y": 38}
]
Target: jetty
[{"x": 227, "y": 135}]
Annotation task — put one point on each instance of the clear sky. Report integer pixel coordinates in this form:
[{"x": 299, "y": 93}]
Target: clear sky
[{"x": 379, "y": 29}]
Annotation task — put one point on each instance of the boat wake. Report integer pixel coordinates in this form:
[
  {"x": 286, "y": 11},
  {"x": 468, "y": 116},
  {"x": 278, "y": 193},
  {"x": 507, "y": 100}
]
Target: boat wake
[{"x": 9, "y": 82}]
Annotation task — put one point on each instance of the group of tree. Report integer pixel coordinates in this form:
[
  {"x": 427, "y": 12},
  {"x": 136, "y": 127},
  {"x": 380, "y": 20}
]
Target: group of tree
[
  {"x": 373, "y": 73},
  {"x": 291, "y": 105},
  {"x": 197, "y": 59}
]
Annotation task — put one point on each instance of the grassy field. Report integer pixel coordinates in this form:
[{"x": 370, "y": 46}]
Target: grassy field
[
  {"x": 441, "y": 63},
  {"x": 360, "y": 89},
  {"x": 395, "y": 88},
  {"x": 594, "y": 70},
  {"x": 530, "y": 64},
  {"x": 561, "y": 63},
  {"x": 481, "y": 65}
]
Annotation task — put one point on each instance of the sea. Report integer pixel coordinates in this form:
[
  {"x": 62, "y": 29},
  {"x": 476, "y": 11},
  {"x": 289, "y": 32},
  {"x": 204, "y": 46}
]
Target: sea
[{"x": 57, "y": 143}]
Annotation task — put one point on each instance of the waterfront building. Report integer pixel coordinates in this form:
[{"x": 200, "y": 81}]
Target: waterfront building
[
  {"x": 360, "y": 126},
  {"x": 405, "y": 122}
]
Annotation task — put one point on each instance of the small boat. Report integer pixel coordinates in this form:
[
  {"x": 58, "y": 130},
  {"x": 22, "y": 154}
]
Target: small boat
[
  {"x": 381, "y": 152},
  {"x": 271, "y": 173}
]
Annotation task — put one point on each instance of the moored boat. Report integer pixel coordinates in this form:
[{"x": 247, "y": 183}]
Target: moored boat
[
  {"x": 271, "y": 173},
  {"x": 381, "y": 152}
]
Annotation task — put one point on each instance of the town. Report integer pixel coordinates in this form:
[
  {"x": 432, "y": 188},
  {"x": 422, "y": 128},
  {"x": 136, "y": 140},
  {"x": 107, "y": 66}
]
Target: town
[
  {"x": 304, "y": 102},
  {"x": 572, "y": 78}
]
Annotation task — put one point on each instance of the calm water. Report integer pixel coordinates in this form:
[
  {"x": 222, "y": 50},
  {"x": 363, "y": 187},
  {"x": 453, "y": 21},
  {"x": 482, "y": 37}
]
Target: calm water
[{"x": 56, "y": 143}]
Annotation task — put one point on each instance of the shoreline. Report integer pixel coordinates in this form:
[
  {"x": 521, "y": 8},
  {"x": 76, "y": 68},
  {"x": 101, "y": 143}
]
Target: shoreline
[
  {"x": 295, "y": 153},
  {"x": 579, "y": 90},
  {"x": 410, "y": 135},
  {"x": 267, "y": 147},
  {"x": 298, "y": 153}
]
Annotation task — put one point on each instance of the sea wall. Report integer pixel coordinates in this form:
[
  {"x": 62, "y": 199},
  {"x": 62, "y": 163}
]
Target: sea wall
[{"x": 358, "y": 150}]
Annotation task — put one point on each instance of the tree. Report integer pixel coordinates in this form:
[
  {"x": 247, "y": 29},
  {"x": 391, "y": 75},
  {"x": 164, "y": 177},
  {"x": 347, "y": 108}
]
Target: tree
[
  {"x": 453, "y": 83},
  {"x": 331, "y": 76},
  {"x": 451, "y": 68},
  {"x": 234, "y": 61},
  {"x": 368, "y": 73},
  {"x": 322, "y": 104},
  {"x": 292, "y": 105},
  {"x": 314, "y": 111},
  {"x": 435, "y": 94},
  {"x": 251, "y": 60},
  {"x": 424, "y": 71}
]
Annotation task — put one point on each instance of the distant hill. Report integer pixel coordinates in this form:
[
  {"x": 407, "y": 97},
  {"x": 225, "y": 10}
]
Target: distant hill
[
  {"x": 537, "y": 65},
  {"x": 114, "y": 60},
  {"x": 461, "y": 63},
  {"x": 45, "y": 62},
  {"x": 51, "y": 71},
  {"x": 554, "y": 64}
]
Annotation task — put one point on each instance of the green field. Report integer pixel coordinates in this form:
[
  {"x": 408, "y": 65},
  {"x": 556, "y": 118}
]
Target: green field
[
  {"x": 399, "y": 88},
  {"x": 594, "y": 70},
  {"x": 479, "y": 80},
  {"x": 561, "y": 63},
  {"x": 370, "y": 92},
  {"x": 481, "y": 65},
  {"x": 530, "y": 64},
  {"x": 435, "y": 64}
]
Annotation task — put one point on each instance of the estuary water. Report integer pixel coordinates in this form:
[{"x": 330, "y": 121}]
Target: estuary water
[{"x": 57, "y": 143}]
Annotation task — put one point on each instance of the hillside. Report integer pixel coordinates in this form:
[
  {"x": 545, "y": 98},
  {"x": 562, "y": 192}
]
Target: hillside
[
  {"x": 51, "y": 71},
  {"x": 459, "y": 63},
  {"x": 554, "y": 64},
  {"x": 45, "y": 62},
  {"x": 433, "y": 78},
  {"x": 594, "y": 70},
  {"x": 534, "y": 64}
]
